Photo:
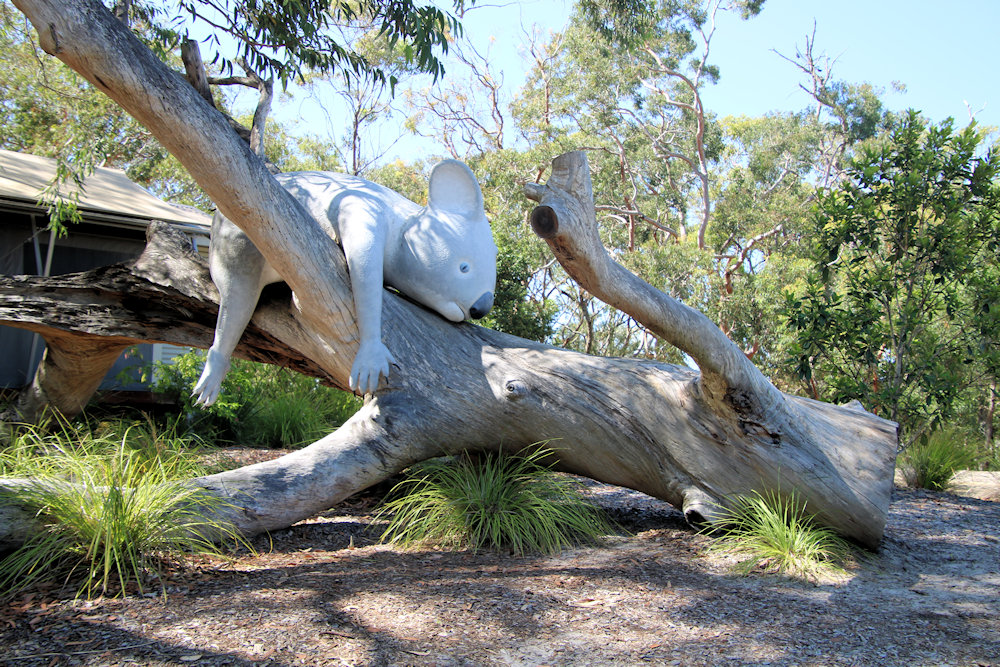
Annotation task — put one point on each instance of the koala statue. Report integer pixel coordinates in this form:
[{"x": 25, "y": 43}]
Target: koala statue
[{"x": 442, "y": 256}]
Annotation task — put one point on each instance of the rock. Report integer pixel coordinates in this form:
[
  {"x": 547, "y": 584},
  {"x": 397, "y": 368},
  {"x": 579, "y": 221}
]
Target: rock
[{"x": 984, "y": 485}]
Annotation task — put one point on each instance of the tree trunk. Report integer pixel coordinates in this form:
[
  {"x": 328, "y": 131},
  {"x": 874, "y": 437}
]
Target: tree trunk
[
  {"x": 990, "y": 417},
  {"x": 71, "y": 370},
  {"x": 693, "y": 440}
]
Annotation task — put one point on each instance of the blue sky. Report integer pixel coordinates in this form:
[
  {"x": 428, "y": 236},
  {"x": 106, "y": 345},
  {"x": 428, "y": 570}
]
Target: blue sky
[{"x": 944, "y": 52}]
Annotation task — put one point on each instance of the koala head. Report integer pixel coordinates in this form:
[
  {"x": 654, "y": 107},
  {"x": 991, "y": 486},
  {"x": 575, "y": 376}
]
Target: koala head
[{"x": 447, "y": 259}]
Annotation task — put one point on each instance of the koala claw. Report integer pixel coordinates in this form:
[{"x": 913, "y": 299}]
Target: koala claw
[
  {"x": 372, "y": 360},
  {"x": 210, "y": 383}
]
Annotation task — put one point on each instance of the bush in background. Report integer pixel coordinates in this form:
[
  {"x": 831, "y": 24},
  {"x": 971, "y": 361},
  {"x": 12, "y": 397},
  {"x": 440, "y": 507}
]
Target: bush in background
[
  {"x": 260, "y": 405},
  {"x": 931, "y": 462}
]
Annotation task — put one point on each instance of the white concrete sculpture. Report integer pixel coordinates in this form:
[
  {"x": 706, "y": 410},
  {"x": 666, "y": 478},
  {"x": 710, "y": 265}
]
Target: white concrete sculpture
[{"x": 442, "y": 256}]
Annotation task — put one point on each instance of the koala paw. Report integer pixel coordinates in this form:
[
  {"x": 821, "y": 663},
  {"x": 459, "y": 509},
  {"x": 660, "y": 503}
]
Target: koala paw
[
  {"x": 371, "y": 361},
  {"x": 210, "y": 383}
]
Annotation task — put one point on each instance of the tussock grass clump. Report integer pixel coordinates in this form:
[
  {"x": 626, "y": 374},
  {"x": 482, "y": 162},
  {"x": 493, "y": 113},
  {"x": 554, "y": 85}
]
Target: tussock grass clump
[
  {"x": 113, "y": 513},
  {"x": 37, "y": 450},
  {"x": 772, "y": 533},
  {"x": 932, "y": 463},
  {"x": 491, "y": 501}
]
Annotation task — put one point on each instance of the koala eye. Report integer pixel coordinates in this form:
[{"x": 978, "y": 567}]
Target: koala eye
[{"x": 464, "y": 267}]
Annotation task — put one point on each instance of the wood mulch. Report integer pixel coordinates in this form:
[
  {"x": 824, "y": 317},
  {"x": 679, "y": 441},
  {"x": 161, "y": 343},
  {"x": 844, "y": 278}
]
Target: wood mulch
[{"x": 325, "y": 593}]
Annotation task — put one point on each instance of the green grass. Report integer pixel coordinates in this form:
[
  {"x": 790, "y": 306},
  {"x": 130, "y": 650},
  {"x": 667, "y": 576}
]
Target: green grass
[
  {"x": 497, "y": 501},
  {"x": 772, "y": 533},
  {"x": 113, "y": 505},
  {"x": 35, "y": 450},
  {"x": 932, "y": 463}
]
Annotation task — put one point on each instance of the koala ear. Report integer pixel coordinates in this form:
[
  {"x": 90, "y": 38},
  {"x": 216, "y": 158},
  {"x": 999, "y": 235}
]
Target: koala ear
[{"x": 453, "y": 188}]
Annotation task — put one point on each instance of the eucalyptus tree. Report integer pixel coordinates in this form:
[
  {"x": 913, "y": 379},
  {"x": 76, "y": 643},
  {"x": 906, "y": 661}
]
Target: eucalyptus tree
[
  {"x": 50, "y": 110},
  {"x": 359, "y": 109},
  {"x": 767, "y": 181},
  {"x": 623, "y": 82},
  {"x": 847, "y": 113},
  {"x": 982, "y": 307},
  {"x": 763, "y": 193}
]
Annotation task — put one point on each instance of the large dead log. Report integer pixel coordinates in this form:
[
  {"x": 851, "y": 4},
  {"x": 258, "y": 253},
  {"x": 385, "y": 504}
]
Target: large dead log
[
  {"x": 694, "y": 440},
  {"x": 639, "y": 424}
]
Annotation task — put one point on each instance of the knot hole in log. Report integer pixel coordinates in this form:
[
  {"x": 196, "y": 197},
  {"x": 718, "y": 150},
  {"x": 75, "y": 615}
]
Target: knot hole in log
[
  {"x": 514, "y": 390},
  {"x": 544, "y": 222}
]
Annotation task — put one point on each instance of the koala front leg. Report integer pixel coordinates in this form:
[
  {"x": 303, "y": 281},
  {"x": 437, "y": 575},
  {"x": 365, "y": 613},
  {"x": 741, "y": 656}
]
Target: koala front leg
[{"x": 363, "y": 228}]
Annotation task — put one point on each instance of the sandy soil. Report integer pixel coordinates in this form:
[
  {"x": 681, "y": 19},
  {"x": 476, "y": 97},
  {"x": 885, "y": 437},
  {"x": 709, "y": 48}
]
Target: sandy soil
[{"x": 325, "y": 593}]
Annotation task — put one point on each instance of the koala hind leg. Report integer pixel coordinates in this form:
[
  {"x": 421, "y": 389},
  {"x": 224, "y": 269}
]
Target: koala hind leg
[{"x": 239, "y": 272}]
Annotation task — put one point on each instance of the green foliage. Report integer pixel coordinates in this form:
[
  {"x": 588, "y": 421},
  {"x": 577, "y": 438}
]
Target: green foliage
[
  {"x": 629, "y": 22},
  {"x": 298, "y": 152},
  {"x": 114, "y": 510},
  {"x": 408, "y": 179},
  {"x": 287, "y": 39},
  {"x": 772, "y": 533},
  {"x": 883, "y": 318},
  {"x": 930, "y": 463},
  {"x": 513, "y": 311},
  {"x": 619, "y": 21},
  {"x": 260, "y": 404},
  {"x": 491, "y": 501},
  {"x": 33, "y": 450},
  {"x": 856, "y": 107}
]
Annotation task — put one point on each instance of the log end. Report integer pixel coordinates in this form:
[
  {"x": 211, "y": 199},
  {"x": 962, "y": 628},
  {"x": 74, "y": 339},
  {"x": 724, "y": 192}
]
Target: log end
[
  {"x": 699, "y": 508},
  {"x": 544, "y": 222}
]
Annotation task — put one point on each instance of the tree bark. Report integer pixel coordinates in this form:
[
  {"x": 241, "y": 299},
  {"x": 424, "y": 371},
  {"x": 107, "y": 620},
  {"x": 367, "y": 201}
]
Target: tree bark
[
  {"x": 69, "y": 373},
  {"x": 694, "y": 440}
]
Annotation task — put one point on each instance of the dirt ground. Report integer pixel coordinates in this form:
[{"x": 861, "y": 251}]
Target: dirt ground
[{"x": 325, "y": 593}]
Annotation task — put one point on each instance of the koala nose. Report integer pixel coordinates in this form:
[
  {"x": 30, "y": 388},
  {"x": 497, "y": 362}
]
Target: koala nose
[{"x": 482, "y": 306}]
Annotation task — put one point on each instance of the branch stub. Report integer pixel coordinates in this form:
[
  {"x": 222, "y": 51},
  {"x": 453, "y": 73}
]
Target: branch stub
[{"x": 544, "y": 222}]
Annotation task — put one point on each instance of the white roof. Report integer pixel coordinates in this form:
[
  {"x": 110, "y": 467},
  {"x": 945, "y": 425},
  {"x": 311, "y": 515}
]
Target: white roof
[{"x": 105, "y": 191}]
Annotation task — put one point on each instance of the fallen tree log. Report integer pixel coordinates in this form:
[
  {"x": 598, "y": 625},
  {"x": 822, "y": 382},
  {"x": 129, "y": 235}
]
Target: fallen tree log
[
  {"x": 695, "y": 440},
  {"x": 640, "y": 424}
]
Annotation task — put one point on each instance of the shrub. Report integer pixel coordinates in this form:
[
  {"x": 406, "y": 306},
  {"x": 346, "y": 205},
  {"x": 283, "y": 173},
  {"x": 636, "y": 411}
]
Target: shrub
[
  {"x": 772, "y": 533},
  {"x": 287, "y": 409},
  {"x": 491, "y": 501},
  {"x": 931, "y": 463},
  {"x": 260, "y": 404},
  {"x": 113, "y": 514}
]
